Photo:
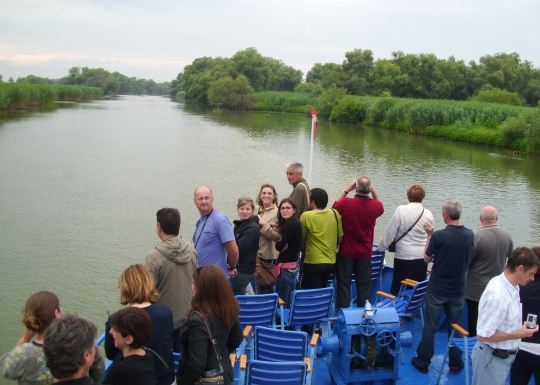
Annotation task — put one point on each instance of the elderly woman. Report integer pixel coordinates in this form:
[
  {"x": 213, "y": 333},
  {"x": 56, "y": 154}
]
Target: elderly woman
[
  {"x": 268, "y": 222},
  {"x": 407, "y": 228},
  {"x": 138, "y": 289}
]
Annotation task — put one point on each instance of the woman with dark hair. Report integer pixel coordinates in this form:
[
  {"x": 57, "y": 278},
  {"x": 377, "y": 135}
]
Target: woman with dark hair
[
  {"x": 289, "y": 247},
  {"x": 138, "y": 289},
  {"x": 267, "y": 211},
  {"x": 407, "y": 228},
  {"x": 26, "y": 362},
  {"x": 212, "y": 331},
  {"x": 131, "y": 329},
  {"x": 246, "y": 233}
]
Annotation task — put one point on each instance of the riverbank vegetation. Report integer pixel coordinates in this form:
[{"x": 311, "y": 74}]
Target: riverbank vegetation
[
  {"x": 111, "y": 83},
  {"x": 23, "y": 95},
  {"x": 486, "y": 102}
]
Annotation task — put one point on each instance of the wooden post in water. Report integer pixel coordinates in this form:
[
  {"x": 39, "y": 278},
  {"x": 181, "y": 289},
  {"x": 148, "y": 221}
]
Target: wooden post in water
[{"x": 314, "y": 125}]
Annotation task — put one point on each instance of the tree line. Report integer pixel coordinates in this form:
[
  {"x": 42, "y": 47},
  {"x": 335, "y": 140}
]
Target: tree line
[
  {"x": 111, "y": 83},
  {"x": 422, "y": 76}
]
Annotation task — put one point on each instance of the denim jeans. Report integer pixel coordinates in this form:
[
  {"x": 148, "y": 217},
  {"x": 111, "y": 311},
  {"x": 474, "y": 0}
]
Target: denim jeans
[
  {"x": 453, "y": 308},
  {"x": 239, "y": 283},
  {"x": 285, "y": 284}
]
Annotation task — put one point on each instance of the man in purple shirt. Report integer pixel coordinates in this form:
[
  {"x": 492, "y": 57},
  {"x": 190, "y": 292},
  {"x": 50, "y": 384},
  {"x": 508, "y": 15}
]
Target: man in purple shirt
[{"x": 214, "y": 238}]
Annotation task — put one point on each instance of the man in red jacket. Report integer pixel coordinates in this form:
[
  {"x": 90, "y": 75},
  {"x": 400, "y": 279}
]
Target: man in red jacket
[{"x": 358, "y": 216}]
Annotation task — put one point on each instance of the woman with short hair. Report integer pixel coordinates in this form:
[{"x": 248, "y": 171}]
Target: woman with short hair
[
  {"x": 246, "y": 234},
  {"x": 212, "y": 331},
  {"x": 138, "y": 289},
  {"x": 26, "y": 362},
  {"x": 409, "y": 254},
  {"x": 131, "y": 329}
]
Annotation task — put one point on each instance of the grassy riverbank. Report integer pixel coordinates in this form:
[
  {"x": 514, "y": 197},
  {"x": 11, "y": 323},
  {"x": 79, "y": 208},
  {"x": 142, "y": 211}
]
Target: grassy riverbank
[
  {"x": 22, "y": 95},
  {"x": 490, "y": 124}
]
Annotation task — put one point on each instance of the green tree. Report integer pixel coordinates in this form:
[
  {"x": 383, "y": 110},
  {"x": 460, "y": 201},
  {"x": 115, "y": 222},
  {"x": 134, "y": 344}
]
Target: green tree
[
  {"x": 329, "y": 99},
  {"x": 287, "y": 78},
  {"x": 256, "y": 68},
  {"x": 236, "y": 94},
  {"x": 358, "y": 68},
  {"x": 177, "y": 85},
  {"x": 326, "y": 75}
]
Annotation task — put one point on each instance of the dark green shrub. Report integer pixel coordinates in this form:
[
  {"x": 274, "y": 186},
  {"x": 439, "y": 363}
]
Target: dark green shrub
[
  {"x": 513, "y": 128},
  {"x": 349, "y": 110},
  {"x": 329, "y": 99},
  {"x": 377, "y": 112}
]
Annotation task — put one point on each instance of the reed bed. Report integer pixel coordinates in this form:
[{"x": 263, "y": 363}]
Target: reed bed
[
  {"x": 297, "y": 102},
  {"x": 23, "y": 95}
]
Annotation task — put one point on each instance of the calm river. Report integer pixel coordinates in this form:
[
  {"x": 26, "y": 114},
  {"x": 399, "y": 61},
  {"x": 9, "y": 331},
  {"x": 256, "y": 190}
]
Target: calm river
[{"x": 80, "y": 185}]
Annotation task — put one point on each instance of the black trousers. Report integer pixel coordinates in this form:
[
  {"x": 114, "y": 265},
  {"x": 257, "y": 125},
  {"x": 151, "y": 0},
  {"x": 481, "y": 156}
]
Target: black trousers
[
  {"x": 415, "y": 269},
  {"x": 524, "y": 366},
  {"x": 315, "y": 276},
  {"x": 361, "y": 268},
  {"x": 472, "y": 314}
]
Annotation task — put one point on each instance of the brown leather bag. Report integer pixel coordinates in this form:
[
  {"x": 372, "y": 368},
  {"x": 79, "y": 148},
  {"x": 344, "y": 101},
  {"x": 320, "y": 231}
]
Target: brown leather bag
[{"x": 264, "y": 273}]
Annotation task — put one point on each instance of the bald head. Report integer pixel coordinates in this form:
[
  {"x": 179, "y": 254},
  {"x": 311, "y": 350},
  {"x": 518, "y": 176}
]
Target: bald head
[
  {"x": 488, "y": 216},
  {"x": 204, "y": 200}
]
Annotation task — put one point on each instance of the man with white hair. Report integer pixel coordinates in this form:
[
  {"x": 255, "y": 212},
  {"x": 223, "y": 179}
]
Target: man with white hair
[
  {"x": 492, "y": 246},
  {"x": 300, "y": 192}
]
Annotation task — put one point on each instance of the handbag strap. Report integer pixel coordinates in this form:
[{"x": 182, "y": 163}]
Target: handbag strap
[
  {"x": 212, "y": 340},
  {"x": 410, "y": 228}
]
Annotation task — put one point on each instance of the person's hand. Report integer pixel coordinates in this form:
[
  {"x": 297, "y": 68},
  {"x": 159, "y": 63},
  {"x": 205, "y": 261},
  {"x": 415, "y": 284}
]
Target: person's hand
[
  {"x": 28, "y": 334},
  {"x": 284, "y": 248},
  {"x": 232, "y": 273},
  {"x": 351, "y": 186},
  {"x": 428, "y": 228},
  {"x": 262, "y": 222},
  {"x": 525, "y": 332},
  {"x": 372, "y": 190}
]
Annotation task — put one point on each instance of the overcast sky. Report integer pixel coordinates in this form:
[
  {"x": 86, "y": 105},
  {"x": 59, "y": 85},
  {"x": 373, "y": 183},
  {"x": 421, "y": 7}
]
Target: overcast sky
[{"x": 156, "y": 39}]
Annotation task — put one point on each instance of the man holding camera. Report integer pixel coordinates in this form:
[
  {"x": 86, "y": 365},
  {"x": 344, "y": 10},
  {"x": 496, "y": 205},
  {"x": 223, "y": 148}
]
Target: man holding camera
[{"x": 499, "y": 328}]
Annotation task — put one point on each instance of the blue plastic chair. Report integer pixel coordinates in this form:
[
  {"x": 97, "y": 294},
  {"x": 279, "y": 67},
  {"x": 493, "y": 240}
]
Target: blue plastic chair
[
  {"x": 283, "y": 346},
  {"x": 464, "y": 344},
  {"x": 257, "y": 310},
  {"x": 275, "y": 373},
  {"x": 409, "y": 302},
  {"x": 308, "y": 307}
]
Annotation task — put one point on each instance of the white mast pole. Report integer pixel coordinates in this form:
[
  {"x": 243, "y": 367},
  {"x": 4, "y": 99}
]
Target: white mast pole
[{"x": 313, "y": 123}]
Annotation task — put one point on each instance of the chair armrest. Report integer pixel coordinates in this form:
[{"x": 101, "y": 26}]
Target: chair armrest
[
  {"x": 243, "y": 362},
  {"x": 383, "y": 294},
  {"x": 281, "y": 302},
  {"x": 232, "y": 357},
  {"x": 409, "y": 282},
  {"x": 308, "y": 363},
  {"x": 314, "y": 339},
  {"x": 247, "y": 330},
  {"x": 460, "y": 330}
]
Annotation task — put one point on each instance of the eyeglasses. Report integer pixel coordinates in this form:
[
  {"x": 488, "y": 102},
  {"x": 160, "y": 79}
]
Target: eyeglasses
[
  {"x": 242, "y": 199},
  {"x": 286, "y": 208}
]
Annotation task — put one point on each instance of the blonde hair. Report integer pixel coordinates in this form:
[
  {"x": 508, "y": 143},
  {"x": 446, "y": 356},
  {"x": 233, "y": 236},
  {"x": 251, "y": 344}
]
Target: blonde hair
[
  {"x": 137, "y": 286},
  {"x": 245, "y": 199}
]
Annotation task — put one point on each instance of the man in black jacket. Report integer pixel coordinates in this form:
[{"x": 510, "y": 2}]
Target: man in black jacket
[{"x": 527, "y": 360}]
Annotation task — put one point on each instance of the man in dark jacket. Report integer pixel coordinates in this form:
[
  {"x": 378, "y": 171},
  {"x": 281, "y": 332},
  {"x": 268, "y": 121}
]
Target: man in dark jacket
[
  {"x": 300, "y": 192},
  {"x": 171, "y": 263},
  {"x": 528, "y": 357}
]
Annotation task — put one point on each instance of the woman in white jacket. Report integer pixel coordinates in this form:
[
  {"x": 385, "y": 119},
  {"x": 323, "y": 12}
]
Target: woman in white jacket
[{"x": 409, "y": 254}]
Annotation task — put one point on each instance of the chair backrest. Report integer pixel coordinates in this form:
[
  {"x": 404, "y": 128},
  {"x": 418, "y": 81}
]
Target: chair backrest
[
  {"x": 376, "y": 265},
  {"x": 257, "y": 310},
  {"x": 279, "y": 345},
  {"x": 417, "y": 296},
  {"x": 308, "y": 307},
  {"x": 275, "y": 373}
]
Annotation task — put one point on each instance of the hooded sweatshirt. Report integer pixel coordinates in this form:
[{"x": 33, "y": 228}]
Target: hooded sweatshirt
[{"x": 171, "y": 263}]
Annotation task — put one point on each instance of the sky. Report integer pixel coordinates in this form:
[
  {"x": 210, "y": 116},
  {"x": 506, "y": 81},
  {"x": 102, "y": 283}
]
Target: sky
[{"x": 156, "y": 39}]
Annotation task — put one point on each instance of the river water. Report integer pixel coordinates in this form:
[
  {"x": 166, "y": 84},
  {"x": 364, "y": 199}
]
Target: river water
[{"x": 80, "y": 185}]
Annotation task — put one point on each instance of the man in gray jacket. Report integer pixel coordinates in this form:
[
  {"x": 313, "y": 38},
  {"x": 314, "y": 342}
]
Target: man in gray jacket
[
  {"x": 492, "y": 246},
  {"x": 300, "y": 192},
  {"x": 172, "y": 263}
]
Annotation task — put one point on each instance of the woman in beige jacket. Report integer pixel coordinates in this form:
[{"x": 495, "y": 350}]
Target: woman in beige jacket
[{"x": 267, "y": 211}]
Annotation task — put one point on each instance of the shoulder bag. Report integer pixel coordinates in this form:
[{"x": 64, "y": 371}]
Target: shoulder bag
[
  {"x": 214, "y": 376},
  {"x": 392, "y": 246},
  {"x": 264, "y": 272}
]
